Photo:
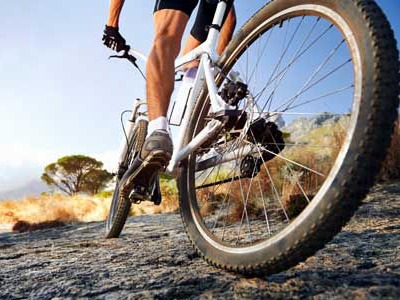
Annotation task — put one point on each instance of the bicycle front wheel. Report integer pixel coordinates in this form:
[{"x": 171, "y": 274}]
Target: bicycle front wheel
[
  {"x": 120, "y": 203},
  {"x": 323, "y": 87}
]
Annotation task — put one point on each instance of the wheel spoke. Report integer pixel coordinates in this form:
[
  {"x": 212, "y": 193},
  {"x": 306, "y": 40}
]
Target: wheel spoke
[
  {"x": 296, "y": 57},
  {"x": 292, "y": 172},
  {"x": 259, "y": 56},
  {"x": 279, "y": 61},
  {"x": 251, "y": 183},
  {"x": 338, "y": 91},
  {"x": 292, "y": 161},
  {"x": 273, "y": 113},
  {"x": 247, "y": 198},
  {"x": 244, "y": 210},
  {"x": 263, "y": 202},
  {"x": 291, "y": 100},
  {"x": 220, "y": 209},
  {"x": 307, "y": 85},
  {"x": 275, "y": 190},
  {"x": 264, "y": 208}
]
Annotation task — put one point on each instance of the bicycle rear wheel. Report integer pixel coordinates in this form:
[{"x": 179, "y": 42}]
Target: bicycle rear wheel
[
  {"x": 326, "y": 73},
  {"x": 120, "y": 204}
]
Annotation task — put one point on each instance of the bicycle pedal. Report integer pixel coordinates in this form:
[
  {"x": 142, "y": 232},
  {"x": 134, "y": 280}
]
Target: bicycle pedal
[{"x": 138, "y": 194}]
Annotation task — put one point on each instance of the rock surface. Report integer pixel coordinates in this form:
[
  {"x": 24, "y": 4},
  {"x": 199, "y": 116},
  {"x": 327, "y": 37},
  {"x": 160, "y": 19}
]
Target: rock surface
[
  {"x": 154, "y": 259},
  {"x": 300, "y": 127}
]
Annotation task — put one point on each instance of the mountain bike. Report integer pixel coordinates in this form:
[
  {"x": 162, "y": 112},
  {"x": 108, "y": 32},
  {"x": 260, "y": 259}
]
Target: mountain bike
[{"x": 281, "y": 136}]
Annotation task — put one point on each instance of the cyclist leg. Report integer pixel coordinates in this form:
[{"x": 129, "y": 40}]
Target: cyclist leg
[
  {"x": 227, "y": 30},
  {"x": 169, "y": 26},
  {"x": 170, "y": 19}
]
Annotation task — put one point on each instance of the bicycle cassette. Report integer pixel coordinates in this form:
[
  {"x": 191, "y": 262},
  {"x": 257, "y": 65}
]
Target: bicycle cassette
[{"x": 268, "y": 135}]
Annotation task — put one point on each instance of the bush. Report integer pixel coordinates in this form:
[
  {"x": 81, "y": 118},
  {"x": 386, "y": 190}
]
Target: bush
[
  {"x": 104, "y": 194},
  {"x": 391, "y": 167}
]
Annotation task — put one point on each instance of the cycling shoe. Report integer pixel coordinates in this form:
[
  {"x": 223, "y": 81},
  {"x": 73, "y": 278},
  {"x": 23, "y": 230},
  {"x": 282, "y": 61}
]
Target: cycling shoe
[{"x": 154, "y": 158}]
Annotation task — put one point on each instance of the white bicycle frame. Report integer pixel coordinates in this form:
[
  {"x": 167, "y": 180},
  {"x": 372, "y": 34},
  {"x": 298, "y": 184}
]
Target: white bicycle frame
[{"x": 208, "y": 55}]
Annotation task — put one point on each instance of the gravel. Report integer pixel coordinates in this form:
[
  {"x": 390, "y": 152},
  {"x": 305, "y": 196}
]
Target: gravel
[{"x": 154, "y": 260}]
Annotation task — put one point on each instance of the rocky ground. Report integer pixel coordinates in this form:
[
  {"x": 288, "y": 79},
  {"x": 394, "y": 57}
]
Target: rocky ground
[{"x": 153, "y": 259}]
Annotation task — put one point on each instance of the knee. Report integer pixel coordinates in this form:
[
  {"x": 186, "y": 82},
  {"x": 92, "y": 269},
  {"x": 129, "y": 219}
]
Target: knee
[{"x": 165, "y": 40}]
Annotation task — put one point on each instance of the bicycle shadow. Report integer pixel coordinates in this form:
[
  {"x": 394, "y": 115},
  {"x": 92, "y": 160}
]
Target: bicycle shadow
[{"x": 59, "y": 232}]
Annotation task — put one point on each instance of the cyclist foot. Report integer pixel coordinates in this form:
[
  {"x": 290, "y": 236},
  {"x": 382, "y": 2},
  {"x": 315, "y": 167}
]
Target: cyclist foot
[{"x": 154, "y": 157}]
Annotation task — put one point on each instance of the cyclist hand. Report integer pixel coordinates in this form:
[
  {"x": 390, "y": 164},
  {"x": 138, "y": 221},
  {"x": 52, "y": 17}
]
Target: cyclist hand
[{"x": 113, "y": 39}]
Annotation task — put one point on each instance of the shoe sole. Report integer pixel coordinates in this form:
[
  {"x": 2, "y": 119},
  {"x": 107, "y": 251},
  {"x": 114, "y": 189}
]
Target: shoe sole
[{"x": 156, "y": 160}]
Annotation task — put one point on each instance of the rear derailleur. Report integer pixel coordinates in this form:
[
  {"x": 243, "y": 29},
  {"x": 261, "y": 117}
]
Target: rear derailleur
[{"x": 261, "y": 133}]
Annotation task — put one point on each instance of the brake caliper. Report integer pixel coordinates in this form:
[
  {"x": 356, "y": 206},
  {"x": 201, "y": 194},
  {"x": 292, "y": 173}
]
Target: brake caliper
[{"x": 233, "y": 92}]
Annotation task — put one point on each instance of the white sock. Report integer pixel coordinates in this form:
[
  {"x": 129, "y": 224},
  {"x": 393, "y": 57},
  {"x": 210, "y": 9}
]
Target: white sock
[{"x": 161, "y": 123}]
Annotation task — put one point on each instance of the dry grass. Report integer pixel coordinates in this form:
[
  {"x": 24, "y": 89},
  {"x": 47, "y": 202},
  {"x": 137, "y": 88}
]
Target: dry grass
[
  {"x": 293, "y": 197},
  {"x": 64, "y": 209},
  {"x": 33, "y": 213},
  {"x": 209, "y": 201},
  {"x": 288, "y": 177},
  {"x": 54, "y": 207}
]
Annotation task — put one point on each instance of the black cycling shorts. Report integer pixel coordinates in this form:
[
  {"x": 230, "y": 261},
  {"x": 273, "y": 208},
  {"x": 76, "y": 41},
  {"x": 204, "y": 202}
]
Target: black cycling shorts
[
  {"x": 186, "y": 6},
  {"x": 204, "y": 16}
]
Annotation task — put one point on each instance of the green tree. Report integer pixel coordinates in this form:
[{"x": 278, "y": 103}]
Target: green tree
[{"x": 77, "y": 173}]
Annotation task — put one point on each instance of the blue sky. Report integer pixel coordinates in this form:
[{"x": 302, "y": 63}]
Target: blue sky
[{"x": 59, "y": 94}]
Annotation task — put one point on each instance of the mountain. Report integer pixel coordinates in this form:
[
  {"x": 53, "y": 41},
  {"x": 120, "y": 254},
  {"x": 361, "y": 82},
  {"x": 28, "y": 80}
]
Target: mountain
[
  {"x": 300, "y": 127},
  {"x": 31, "y": 188}
]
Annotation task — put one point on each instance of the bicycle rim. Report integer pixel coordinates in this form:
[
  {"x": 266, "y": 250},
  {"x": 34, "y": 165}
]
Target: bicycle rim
[
  {"x": 316, "y": 97},
  {"x": 120, "y": 206}
]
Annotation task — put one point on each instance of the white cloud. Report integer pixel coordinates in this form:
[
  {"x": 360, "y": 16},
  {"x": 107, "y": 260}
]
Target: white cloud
[
  {"x": 21, "y": 163},
  {"x": 109, "y": 159},
  {"x": 20, "y": 155}
]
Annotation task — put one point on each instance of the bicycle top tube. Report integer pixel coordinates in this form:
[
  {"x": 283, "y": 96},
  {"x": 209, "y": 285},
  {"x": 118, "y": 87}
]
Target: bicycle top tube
[{"x": 189, "y": 57}]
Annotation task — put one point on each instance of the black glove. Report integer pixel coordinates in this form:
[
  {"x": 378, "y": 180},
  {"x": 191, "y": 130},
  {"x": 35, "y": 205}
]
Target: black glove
[{"x": 113, "y": 39}]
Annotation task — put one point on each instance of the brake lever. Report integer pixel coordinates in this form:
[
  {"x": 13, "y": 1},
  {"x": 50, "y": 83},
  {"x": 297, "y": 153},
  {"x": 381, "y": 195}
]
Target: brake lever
[
  {"x": 132, "y": 59},
  {"x": 126, "y": 55},
  {"x": 123, "y": 55},
  {"x": 117, "y": 56}
]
